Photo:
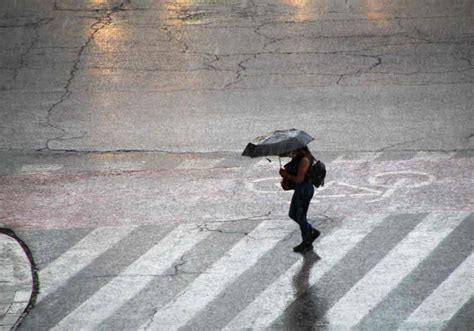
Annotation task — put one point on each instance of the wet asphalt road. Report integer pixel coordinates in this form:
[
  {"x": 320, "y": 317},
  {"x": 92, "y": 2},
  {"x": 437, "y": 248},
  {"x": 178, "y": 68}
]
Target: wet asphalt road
[
  {"x": 206, "y": 76},
  {"x": 121, "y": 124}
]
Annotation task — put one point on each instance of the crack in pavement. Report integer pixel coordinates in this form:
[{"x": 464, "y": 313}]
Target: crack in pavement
[
  {"x": 379, "y": 62},
  {"x": 469, "y": 61},
  {"x": 214, "y": 58},
  {"x": 239, "y": 76},
  {"x": 204, "y": 227},
  {"x": 23, "y": 56},
  {"x": 151, "y": 320},
  {"x": 342, "y": 76},
  {"x": 178, "y": 271},
  {"x": 371, "y": 20},
  {"x": 421, "y": 72},
  {"x": 181, "y": 262},
  {"x": 262, "y": 217},
  {"x": 172, "y": 36},
  {"x": 421, "y": 35},
  {"x": 400, "y": 144},
  {"x": 239, "y": 71},
  {"x": 241, "y": 68},
  {"x": 119, "y": 7},
  {"x": 101, "y": 23},
  {"x": 206, "y": 67},
  {"x": 272, "y": 40},
  {"x": 360, "y": 70},
  {"x": 259, "y": 218},
  {"x": 26, "y": 25}
]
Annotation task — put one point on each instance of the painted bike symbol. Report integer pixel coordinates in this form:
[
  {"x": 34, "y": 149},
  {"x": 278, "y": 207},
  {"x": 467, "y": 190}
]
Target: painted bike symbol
[
  {"x": 397, "y": 180},
  {"x": 381, "y": 186}
]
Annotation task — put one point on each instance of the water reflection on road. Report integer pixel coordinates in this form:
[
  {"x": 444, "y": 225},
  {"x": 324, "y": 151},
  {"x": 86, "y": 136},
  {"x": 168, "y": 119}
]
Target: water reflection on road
[
  {"x": 304, "y": 312},
  {"x": 136, "y": 75}
]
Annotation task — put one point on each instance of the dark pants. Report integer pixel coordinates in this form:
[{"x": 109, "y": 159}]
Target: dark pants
[{"x": 299, "y": 208}]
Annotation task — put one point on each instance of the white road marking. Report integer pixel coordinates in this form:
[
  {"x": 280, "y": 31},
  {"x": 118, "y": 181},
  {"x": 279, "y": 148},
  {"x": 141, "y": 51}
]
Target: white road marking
[
  {"x": 132, "y": 280},
  {"x": 361, "y": 157},
  {"x": 39, "y": 168},
  {"x": 209, "y": 284},
  {"x": 404, "y": 179},
  {"x": 59, "y": 271},
  {"x": 411, "y": 178},
  {"x": 346, "y": 190},
  {"x": 435, "y": 156},
  {"x": 272, "y": 302},
  {"x": 391, "y": 270},
  {"x": 446, "y": 300},
  {"x": 275, "y": 181},
  {"x": 339, "y": 189}
]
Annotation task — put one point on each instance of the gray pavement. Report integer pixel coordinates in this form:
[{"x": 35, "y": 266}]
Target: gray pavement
[
  {"x": 193, "y": 76},
  {"x": 16, "y": 281},
  {"x": 121, "y": 125},
  {"x": 115, "y": 251}
]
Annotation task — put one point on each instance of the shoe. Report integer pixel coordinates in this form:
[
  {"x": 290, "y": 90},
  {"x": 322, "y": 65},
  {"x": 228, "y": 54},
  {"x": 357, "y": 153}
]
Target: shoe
[
  {"x": 314, "y": 234},
  {"x": 303, "y": 247}
]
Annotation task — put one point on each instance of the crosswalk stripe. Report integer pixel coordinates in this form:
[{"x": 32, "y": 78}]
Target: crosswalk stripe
[
  {"x": 391, "y": 270},
  {"x": 132, "y": 280},
  {"x": 59, "y": 271},
  {"x": 208, "y": 285},
  {"x": 423, "y": 280},
  {"x": 446, "y": 300},
  {"x": 332, "y": 248}
]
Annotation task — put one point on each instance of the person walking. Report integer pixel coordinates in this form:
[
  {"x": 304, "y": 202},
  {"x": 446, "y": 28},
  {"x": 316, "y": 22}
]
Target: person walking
[{"x": 296, "y": 174}]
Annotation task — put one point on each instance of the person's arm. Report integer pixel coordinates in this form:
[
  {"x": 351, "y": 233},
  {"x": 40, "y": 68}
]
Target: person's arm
[{"x": 302, "y": 169}]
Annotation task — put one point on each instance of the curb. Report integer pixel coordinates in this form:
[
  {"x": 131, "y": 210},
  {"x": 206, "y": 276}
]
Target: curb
[{"x": 34, "y": 276}]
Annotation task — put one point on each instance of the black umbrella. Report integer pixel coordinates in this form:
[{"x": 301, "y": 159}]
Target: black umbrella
[{"x": 279, "y": 143}]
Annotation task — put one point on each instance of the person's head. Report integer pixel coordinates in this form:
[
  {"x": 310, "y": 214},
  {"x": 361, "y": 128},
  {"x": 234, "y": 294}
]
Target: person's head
[
  {"x": 301, "y": 152},
  {"x": 296, "y": 153}
]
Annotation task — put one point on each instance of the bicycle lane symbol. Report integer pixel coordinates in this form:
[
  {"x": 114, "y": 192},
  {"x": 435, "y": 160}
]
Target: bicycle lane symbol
[
  {"x": 381, "y": 186},
  {"x": 271, "y": 185},
  {"x": 398, "y": 180}
]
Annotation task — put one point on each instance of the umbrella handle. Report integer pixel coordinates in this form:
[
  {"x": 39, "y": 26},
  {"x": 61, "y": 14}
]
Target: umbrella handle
[{"x": 279, "y": 159}]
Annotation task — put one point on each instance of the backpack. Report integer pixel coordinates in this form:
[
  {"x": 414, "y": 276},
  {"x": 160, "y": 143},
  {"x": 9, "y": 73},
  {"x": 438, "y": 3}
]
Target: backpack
[{"x": 318, "y": 173}]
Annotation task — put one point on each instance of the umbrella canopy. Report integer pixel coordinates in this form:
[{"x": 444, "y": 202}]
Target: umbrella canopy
[{"x": 278, "y": 143}]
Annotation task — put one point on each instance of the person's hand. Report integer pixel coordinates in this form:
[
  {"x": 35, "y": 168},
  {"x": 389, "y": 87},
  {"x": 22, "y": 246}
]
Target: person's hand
[{"x": 283, "y": 172}]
